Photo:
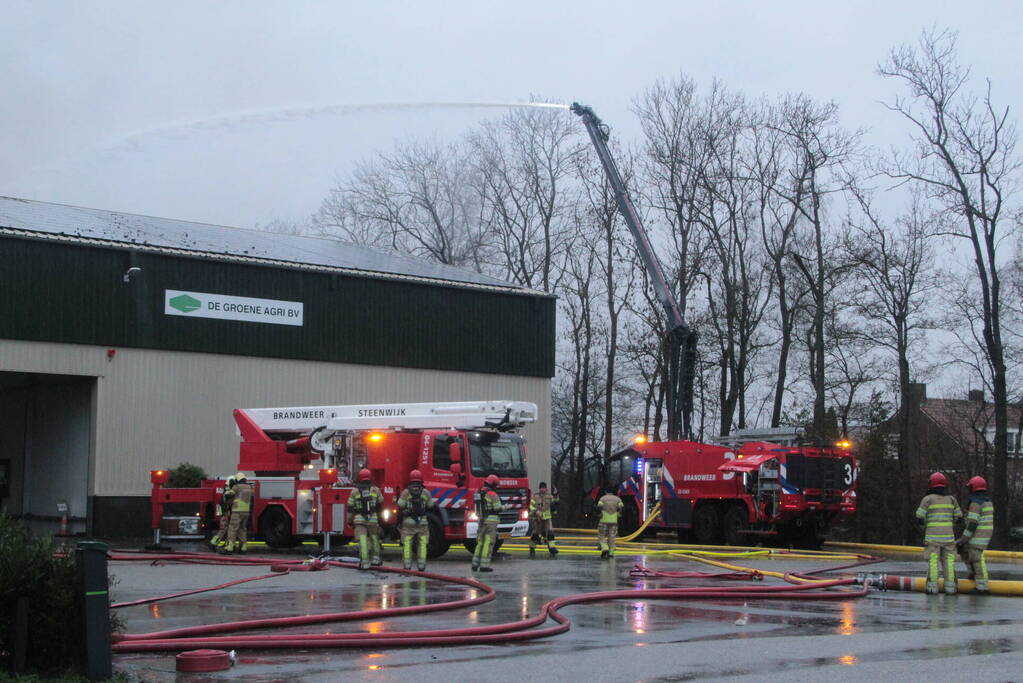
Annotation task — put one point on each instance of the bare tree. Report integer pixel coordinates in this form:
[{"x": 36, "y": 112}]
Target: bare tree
[
  {"x": 523, "y": 164},
  {"x": 895, "y": 274},
  {"x": 418, "y": 200},
  {"x": 966, "y": 160},
  {"x": 824, "y": 147}
]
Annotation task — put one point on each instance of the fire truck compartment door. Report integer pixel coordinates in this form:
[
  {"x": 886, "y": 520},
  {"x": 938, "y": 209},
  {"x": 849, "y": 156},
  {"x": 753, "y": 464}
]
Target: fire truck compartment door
[
  {"x": 676, "y": 510},
  {"x": 748, "y": 463}
]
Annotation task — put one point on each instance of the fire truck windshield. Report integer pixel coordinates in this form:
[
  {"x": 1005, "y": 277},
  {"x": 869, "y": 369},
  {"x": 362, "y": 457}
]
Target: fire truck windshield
[{"x": 502, "y": 456}]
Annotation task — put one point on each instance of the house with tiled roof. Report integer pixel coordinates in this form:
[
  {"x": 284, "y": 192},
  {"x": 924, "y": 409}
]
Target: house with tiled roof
[{"x": 955, "y": 436}]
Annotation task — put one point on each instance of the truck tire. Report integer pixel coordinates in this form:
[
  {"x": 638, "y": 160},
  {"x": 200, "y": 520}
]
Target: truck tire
[
  {"x": 438, "y": 544},
  {"x": 736, "y": 522},
  {"x": 275, "y": 526},
  {"x": 707, "y": 524}
]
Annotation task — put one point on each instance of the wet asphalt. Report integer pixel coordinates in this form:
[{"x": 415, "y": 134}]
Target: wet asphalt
[{"x": 889, "y": 635}]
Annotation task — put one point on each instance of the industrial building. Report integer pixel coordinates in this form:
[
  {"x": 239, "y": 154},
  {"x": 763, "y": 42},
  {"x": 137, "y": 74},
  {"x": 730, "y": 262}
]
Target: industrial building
[{"x": 126, "y": 341}]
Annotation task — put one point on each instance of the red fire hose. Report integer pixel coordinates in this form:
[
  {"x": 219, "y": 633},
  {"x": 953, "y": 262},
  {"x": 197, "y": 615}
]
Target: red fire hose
[{"x": 525, "y": 629}]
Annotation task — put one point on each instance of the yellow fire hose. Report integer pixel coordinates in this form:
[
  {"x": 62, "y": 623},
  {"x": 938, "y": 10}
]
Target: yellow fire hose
[{"x": 989, "y": 554}]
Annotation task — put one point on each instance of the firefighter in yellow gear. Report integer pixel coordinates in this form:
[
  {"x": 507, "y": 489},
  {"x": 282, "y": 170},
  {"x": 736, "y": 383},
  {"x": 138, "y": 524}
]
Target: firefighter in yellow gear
[
  {"x": 241, "y": 507},
  {"x": 223, "y": 515},
  {"x": 488, "y": 508},
  {"x": 610, "y": 506},
  {"x": 939, "y": 512},
  {"x": 413, "y": 503},
  {"x": 542, "y": 507},
  {"x": 364, "y": 505},
  {"x": 980, "y": 524}
]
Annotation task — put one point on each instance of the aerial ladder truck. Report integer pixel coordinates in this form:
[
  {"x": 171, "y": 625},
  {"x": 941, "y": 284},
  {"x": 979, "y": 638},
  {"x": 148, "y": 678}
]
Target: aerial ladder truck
[
  {"x": 304, "y": 461},
  {"x": 730, "y": 492}
]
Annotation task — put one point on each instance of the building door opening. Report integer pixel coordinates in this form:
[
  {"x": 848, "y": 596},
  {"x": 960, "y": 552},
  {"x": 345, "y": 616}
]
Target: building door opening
[{"x": 45, "y": 444}]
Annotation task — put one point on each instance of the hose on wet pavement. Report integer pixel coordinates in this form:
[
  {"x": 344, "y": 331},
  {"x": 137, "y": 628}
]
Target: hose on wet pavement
[{"x": 524, "y": 629}]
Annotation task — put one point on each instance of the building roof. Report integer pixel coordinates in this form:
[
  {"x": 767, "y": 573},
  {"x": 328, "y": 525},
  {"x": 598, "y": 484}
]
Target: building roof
[
  {"x": 97, "y": 227},
  {"x": 968, "y": 422}
]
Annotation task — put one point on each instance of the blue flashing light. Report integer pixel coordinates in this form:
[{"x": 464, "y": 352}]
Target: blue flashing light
[{"x": 639, "y": 465}]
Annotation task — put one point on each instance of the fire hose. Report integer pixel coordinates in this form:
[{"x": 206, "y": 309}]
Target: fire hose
[{"x": 524, "y": 629}]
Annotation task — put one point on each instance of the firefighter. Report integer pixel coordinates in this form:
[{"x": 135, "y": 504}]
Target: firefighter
[
  {"x": 979, "y": 526},
  {"x": 939, "y": 511},
  {"x": 489, "y": 510},
  {"x": 541, "y": 507},
  {"x": 241, "y": 506},
  {"x": 223, "y": 515},
  {"x": 363, "y": 505},
  {"x": 413, "y": 503},
  {"x": 610, "y": 506}
]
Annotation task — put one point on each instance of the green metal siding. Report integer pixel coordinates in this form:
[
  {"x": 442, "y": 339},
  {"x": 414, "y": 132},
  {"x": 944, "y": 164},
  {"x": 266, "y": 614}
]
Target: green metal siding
[{"x": 68, "y": 293}]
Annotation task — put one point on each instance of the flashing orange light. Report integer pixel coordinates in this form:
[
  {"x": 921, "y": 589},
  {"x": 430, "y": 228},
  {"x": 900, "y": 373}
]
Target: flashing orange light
[
  {"x": 640, "y": 439},
  {"x": 375, "y": 437},
  {"x": 740, "y": 456},
  {"x": 158, "y": 476},
  {"x": 844, "y": 443}
]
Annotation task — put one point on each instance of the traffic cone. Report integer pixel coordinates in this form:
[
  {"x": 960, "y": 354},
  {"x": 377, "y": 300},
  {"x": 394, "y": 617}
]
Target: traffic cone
[{"x": 64, "y": 531}]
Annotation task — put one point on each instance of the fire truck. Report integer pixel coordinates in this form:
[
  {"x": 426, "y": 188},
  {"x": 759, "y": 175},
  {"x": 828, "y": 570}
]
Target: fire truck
[
  {"x": 304, "y": 461},
  {"x": 739, "y": 492}
]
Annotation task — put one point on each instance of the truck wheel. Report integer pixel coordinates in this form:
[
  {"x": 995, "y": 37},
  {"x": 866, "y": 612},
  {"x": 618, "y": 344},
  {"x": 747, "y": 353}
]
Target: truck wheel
[
  {"x": 275, "y": 525},
  {"x": 438, "y": 544},
  {"x": 706, "y": 524},
  {"x": 736, "y": 522}
]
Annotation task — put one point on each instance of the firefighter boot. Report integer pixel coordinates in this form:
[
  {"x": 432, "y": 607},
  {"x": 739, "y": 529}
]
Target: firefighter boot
[
  {"x": 485, "y": 569},
  {"x": 532, "y": 552},
  {"x": 603, "y": 554},
  {"x": 553, "y": 550}
]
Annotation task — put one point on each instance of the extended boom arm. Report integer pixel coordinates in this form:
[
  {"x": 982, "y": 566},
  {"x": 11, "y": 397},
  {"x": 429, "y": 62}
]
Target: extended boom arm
[{"x": 681, "y": 338}]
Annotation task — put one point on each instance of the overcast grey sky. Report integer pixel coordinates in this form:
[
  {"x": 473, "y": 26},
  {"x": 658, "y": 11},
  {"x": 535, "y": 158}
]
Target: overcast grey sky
[{"x": 157, "y": 108}]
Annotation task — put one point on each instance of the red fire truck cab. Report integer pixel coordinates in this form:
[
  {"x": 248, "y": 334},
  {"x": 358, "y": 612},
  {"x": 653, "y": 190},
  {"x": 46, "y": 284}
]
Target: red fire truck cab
[
  {"x": 739, "y": 492},
  {"x": 302, "y": 463}
]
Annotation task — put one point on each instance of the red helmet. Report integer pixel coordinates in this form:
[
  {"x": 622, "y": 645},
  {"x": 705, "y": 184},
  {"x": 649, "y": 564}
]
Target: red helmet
[
  {"x": 415, "y": 475},
  {"x": 364, "y": 474},
  {"x": 937, "y": 480},
  {"x": 977, "y": 484},
  {"x": 492, "y": 480}
]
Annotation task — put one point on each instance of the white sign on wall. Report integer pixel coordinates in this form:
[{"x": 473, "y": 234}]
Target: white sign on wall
[{"x": 224, "y": 307}]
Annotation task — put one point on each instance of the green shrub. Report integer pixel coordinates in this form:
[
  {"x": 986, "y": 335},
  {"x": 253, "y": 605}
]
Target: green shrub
[
  {"x": 30, "y": 568},
  {"x": 185, "y": 476}
]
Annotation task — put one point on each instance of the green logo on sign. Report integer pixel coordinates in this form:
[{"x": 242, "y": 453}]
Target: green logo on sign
[{"x": 185, "y": 303}]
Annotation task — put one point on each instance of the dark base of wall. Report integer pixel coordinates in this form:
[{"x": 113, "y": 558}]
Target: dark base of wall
[{"x": 120, "y": 517}]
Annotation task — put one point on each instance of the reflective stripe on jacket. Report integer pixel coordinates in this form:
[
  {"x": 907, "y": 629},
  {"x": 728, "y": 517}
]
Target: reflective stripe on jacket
[
  {"x": 609, "y": 505},
  {"x": 242, "y": 498},
  {"x": 939, "y": 511},
  {"x": 492, "y": 505},
  {"x": 541, "y": 505},
  {"x": 981, "y": 514}
]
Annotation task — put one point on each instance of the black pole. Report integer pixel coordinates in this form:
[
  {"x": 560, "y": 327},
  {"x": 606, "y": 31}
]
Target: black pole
[{"x": 91, "y": 557}]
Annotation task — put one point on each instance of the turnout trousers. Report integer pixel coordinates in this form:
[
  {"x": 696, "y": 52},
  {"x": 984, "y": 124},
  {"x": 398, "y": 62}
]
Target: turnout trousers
[
  {"x": 486, "y": 538},
  {"x": 943, "y": 554},
  {"x": 418, "y": 532},
  {"x": 606, "y": 535}
]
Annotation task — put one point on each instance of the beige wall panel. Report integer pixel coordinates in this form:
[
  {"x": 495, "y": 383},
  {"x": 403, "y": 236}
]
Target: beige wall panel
[{"x": 160, "y": 408}]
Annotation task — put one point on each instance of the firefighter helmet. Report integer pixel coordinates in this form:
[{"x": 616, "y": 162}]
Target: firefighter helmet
[
  {"x": 240, "y": 476},
  {"x": 977, "y": 484},
  {"x": 364, "y": 474},
  {"x": 542, "y": 486},
  {"x": 415, "y": 475},
  {"x": 937, "y": 480},
  {"x": 492, "y": 481}
]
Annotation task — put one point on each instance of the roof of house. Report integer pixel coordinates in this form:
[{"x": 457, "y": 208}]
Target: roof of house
[
  {"x": 98, "y": 227},
  {"x": 966, "y": 421}
]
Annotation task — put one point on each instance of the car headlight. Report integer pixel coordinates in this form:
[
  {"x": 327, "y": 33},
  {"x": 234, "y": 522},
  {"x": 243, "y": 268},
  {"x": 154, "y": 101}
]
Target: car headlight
[
  {"x": 524, "y": 514},
  {"x": 473, "y": 517},
  {"x": 387, "y": 515}
]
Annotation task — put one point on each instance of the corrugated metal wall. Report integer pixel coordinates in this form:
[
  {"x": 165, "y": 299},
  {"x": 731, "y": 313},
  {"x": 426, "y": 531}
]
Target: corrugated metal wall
[
  {"x": 160, "y": 408},
  {"x": 75, "y": 294}
]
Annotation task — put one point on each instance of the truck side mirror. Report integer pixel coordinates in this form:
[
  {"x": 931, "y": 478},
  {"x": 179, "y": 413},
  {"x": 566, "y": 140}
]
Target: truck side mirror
[
  {"x": 456, "y": 469},
  {"x": 455, "y": 452}
]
